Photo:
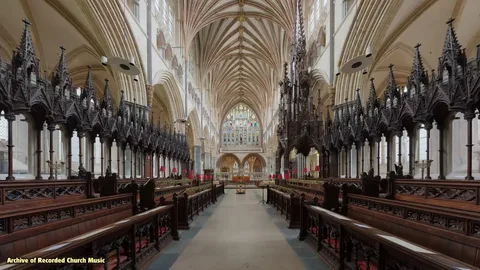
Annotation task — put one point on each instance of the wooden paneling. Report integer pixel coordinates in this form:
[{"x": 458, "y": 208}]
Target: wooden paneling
[
  {"x": 40, "y": 239},
  {"x": 430, "y": 237}
]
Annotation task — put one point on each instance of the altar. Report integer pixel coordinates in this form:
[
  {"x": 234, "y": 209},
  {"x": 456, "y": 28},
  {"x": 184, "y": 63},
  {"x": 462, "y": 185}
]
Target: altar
[
  {"x": 240, "y": 182},
  {"x": 239, "y": 178}
]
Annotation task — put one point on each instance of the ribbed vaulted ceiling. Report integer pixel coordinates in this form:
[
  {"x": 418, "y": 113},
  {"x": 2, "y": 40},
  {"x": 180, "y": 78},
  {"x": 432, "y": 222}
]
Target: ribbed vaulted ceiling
[{"x": 240, "y": 48}]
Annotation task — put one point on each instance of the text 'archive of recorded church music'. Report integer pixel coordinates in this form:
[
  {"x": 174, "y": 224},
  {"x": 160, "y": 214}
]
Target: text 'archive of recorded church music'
[{"x": 55, "y": 260}]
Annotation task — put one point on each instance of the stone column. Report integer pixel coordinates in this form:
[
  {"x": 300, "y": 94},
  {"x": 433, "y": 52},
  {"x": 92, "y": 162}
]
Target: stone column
[
  {"x": 102, "y": 156},
  {"x": 92, "y": 155},
  {"x": 207, "y": 161},
  {"x": 38, "y": 142},
  {"x": 80, "y": 136},
  {"x": 10, "y": 118},
  {"x": 197, "y": 154},
  {"x": 51, "y": 129},
  {"x": 69, "y": 154}
]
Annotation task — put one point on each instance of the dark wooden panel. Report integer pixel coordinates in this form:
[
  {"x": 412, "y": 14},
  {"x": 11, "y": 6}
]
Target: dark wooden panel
[
  {"x": 477, "y": 258},
  {"x": 455, "y": 249},
  {"x": 7, "y": 251},
  {"x": 31, "y": 244},
  {"x": 51, "y": 238},
  {"x": 59, "y": 235},
  {"x": 88, "y": 226},
  {"x": 93, "y": 223},
  {"x": 67, "y": 231},
  {"x": 468, "y": 254},
  {"x": 81, "y": 228},
  {"x": 42, "y": 240},
  {"x": 75, "y": 230},
  {"x": 20, "y": 247}
]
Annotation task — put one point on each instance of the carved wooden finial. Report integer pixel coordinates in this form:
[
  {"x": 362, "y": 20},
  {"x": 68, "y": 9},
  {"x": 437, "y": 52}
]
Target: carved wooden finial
[
  {"x": 418, "y": 45},
  {"x": 26, "y": 22},
  {"x": 106, "y": 81},
  {"x": 371, "y": 79},
  {"x": 62, "y": 48},
  {"x": 390, "y": 66},
  {"x": 450, "y": 21}
]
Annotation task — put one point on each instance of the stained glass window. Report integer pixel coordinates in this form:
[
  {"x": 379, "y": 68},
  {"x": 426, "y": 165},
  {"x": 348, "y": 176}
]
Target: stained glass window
[{"x": 241, "y": 128}]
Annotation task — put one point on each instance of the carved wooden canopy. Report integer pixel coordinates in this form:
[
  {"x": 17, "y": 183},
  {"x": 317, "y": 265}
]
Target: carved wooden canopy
[{"x": 24, "y": 90}]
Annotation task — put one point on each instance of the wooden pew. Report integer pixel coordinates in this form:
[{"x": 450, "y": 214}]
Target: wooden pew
[
  {"x": 314, "y": 184},
  {"x": 122, "y": 183},
  {"x": 191, "y": 205},
  {"x": 345, "y": 243},
  {"x": 23, "y": 231},
  {"x": 287, "y": 200},
  {"x": 33, "y": 193},
  {"x": 286, "y": 204},
  {"x": 455, "y": 233},
  {"x": 130, "y": 243},
  {"x": 458, "y": 194},
  {"x": 152, "y": 195}
]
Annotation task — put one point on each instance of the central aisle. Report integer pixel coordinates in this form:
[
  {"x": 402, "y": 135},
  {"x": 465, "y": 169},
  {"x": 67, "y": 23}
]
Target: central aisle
[{"x": 238, "y": 233}]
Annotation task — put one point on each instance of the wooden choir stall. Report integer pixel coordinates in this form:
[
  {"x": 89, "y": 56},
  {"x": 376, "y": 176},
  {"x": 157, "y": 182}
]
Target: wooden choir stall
[{"x": 371, "y": 220}]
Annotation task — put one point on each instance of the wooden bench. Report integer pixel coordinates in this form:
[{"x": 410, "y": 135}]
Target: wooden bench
[
  {"x": 191, "y": 205},
  {"x": 152, "y": 195},
  {"x": 130, "y": 243},
  {"x": 458, "y": 194},
  {"x": 287, "y": 204},
  {"x": 33, "y": 193},
  {"x": 24, "y": 231},
  {"x": 314, "y": 184},
  {"x": 455, "y": 233},
  {"x": 345, "y": 243}
]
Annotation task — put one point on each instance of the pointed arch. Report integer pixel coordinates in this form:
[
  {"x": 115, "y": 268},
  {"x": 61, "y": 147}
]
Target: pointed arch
[
  {"x": 161, "y": 42},
  {"x": 166, "y": 86},
  {"x": 168, "y": 53},
  {"x": 224, "y": 157},
  {"x": 257, "y": 157},
  {"x": 174, "y": 62},
  {"x": 193, "y": 119}
]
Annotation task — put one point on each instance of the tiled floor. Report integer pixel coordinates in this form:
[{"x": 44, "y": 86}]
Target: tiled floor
[{"x": 238, "y": 233}]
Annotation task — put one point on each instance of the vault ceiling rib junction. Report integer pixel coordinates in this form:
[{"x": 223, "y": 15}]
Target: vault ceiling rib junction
[{"x": 240, "y": 49}]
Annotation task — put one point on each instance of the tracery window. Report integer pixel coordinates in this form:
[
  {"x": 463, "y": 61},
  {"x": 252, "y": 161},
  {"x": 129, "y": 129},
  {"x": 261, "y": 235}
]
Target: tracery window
[
  {"x": 315, "y": 12},
  {"x": 165, "y": 18},
  {"x": 241, "y": 128}
]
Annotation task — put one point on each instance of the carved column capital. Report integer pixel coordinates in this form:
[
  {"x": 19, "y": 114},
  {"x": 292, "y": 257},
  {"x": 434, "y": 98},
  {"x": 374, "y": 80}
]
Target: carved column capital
[
  {"x": 149, "y": 94},
  {"x": 10, "y": 116},
  {"x": 332, "y": 95},
  {"x": 51, "y": 127}
]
